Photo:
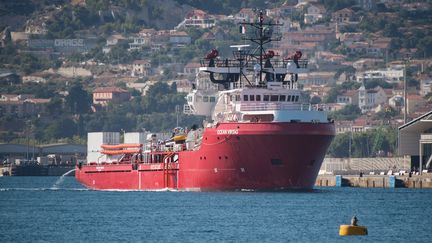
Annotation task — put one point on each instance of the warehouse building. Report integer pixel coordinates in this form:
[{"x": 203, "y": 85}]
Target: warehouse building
[{"x": 415, "y": 140}]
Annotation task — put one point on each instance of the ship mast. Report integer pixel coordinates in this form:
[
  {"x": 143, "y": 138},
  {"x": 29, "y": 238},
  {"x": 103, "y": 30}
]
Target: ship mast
[{"x": 264, "y": 36}]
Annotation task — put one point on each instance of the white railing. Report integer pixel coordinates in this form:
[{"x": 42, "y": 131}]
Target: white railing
[{"x": 274, "y": 106}]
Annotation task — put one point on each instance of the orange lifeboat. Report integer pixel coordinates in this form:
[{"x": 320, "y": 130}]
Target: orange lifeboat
[
  {"x": 121, "y": 146},
  {"x": 121, "y": 151},
  {"x": 124, "y": 148}
]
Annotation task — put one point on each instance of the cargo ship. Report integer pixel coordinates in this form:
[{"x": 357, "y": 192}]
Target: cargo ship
[{"x": 261, "y": 133}]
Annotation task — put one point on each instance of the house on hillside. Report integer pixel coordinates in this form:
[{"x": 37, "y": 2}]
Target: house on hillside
[
  {"x": 425, "y": 84},
  {"x": 9, "y": 78},
  {"x": 22, "y": 105},
  {"x": 113, "y": 40},
  {"x": 141, "y": 68},
  {"x": 349, "y": 97},
  {"x": 389, "y": 75},
  {"x": 179, "y": 38},
  {"x": 314, "y": 13},
  {"x": 197, "y": 18},
  {"x": 192, "y": 68},
  {"x": 368, "y": 99},
  {"x": 245, "y": 15},
  {"x": 138, "y": 42},
  {"x": 317, "y": 78},
  {"x": 34, "y": 79},
  {"x": 102, "y": 96},
  {"x": 345, "y": 15}
]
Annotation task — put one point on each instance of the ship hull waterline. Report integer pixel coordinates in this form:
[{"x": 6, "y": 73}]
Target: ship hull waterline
[{"x": 232, "y": 156}]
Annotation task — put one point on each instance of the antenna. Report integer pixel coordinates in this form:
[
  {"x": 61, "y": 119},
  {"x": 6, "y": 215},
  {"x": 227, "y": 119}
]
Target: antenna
[{"x": 264, "y": 32}]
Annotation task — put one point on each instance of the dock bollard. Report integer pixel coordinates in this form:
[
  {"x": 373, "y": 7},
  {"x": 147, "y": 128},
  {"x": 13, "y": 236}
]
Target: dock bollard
[
  {"x": 392, "y": 181},
  {"x": 338, "y": 181}
]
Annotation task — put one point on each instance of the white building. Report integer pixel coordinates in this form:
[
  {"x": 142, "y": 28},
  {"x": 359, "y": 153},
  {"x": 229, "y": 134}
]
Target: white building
[
  {"x": 314, "y": 13},
  {"x": 389, "y": 75},
  {"x": 368, "y": 99},
  {"x": 139, "y": 42},
  {"x": 425, "y": 85},
  {"x": 141, "y": 68},
  {"x": 317, "y": 78},
  {"x": 197, "y": 18}
]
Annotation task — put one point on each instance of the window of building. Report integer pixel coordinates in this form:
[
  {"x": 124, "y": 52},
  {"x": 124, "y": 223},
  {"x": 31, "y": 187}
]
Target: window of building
[
  {"x": 245, "y": 97},
  {"x": 274, "y": 98},
  {"x": 237, "y": 98},
  {"x": 289, "y": 98},
  {"x": 212, "y": 99},
  {"x": 282, "y": 98},
  {"x": 205, "y": 98},
  {"x": 266, "y": 97},
  {"x": 258, "y": 97},
  {"x": 252, "y": 97},
  {"x": 296, "y": 98}
]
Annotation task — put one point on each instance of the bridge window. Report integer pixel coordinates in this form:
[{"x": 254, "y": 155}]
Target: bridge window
[
  {"x": 245, "y": 97},
  {"x": 282, "y": 98},
  {"x": 274, "y": 98},
  {"x": 237, "y": 98},
  {"x": 258, "y": 97},
  {"x": 252, "y": 97},
  {"x": 289, "y": 98},
  {"x": 212, "y": 99},
  {"x": 199, "y": 98},
  {"x": 205, "y": 98},
  {"x": 296, "y": 98},
  {"x": 266, "y": 97}
]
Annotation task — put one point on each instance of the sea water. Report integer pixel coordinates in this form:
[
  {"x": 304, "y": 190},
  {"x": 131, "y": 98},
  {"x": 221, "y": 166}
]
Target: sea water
[{"x": 31, "y": 209}]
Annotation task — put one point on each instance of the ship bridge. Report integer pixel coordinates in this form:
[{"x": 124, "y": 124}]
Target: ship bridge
[{"x": 257, "y": 104}]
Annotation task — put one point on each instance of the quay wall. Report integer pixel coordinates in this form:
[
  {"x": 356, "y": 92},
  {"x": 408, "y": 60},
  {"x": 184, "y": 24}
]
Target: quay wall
[{"x": 381, "y": 181}]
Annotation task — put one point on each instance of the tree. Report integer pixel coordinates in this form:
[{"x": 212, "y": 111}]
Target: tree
[
  {"x": 62, "y": 128},
  {"x": 349, "y": 112},
  {"x": 55, "y": 106},
  {"x": 339, "y": 148},
  {"x": 332, "y": 95},
  {"x": 78, "y": 100}
]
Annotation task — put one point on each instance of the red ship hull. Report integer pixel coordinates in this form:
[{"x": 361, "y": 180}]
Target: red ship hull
[{"x": 232, "y": 156}]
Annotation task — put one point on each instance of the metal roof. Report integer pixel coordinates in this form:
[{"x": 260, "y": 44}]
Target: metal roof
[
  {"x": 44, "y": 149},
  {"x": 409, "y": 134},
  {"x": 420, "y": 123}
]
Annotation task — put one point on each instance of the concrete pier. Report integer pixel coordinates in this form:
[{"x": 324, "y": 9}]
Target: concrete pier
[{"x": 375, "y": 181}]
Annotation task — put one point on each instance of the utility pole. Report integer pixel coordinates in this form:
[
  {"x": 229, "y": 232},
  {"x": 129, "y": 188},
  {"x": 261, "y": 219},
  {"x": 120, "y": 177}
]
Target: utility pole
[
  {"x": 177, "y": 109},
  {"x": 406, "y": 60}
]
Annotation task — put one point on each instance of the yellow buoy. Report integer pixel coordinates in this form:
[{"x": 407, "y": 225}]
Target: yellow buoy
[{"x": 345, "y": 230}]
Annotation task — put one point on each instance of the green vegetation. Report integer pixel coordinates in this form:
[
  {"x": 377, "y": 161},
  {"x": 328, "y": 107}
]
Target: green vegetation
[
  {"x": 349, "y": 112},
  {"x": 10, "y": 58},
  {"x": 375, "y": 142},
  {"x": 72, "y": 119},
  {"x": 335, "y": 5},
  {"x": 338, "y": 89}
]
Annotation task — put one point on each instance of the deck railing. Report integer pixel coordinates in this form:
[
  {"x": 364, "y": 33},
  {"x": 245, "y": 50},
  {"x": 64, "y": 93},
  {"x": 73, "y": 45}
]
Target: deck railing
[
  {"x": 303, "y": 63},
  {"x": 274, "y": 106}
]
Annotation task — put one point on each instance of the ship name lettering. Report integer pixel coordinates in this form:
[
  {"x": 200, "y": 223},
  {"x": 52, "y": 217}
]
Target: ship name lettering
[{"x": 229, "y": 131}]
